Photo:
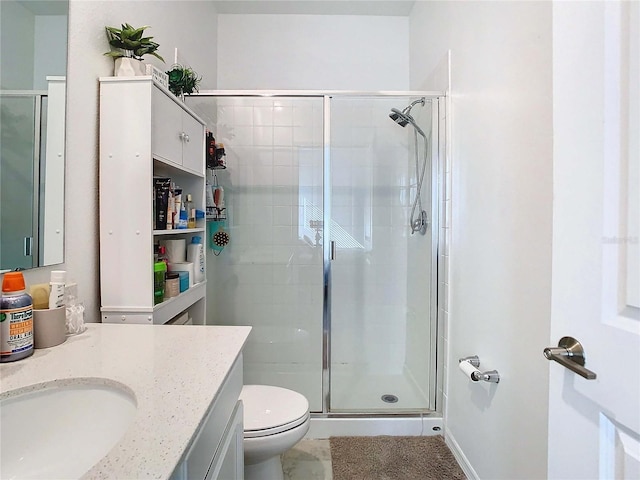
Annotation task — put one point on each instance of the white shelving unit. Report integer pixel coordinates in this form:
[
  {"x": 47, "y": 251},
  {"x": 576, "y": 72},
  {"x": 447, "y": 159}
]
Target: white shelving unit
[{"x": 145, "y": 132}]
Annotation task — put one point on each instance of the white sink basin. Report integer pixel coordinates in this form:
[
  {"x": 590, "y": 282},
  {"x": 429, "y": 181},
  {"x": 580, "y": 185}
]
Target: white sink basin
[{"x": 61, "y": 431}]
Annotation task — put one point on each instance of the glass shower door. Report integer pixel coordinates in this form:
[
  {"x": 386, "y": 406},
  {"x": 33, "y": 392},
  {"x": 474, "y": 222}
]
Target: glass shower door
[
  {"x": 18, "y": 181},
  {"x": 270, "y": 276},
  {"x": 381, "y": 301}
]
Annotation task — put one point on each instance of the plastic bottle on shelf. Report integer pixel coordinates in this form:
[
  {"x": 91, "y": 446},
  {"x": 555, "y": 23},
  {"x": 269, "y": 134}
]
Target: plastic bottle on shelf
[
  {"x": 159, "y": 271},
  {"x": 162, "y": 256},
  {"x": 171, "y": 207},
  {"x": 191, "y": 212},
  {"x": 182, "y": 217},
  {"x": 195, "y": 255}
]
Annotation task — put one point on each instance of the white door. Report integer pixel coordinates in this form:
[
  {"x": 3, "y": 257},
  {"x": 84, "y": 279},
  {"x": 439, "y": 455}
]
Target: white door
[{"x": 594, "y": 425}]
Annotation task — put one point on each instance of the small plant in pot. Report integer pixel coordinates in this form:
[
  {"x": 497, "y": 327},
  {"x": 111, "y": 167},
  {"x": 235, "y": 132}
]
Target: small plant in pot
[
  {"x": 183, "y": 80},
  {"x": 129, "y": 46}
]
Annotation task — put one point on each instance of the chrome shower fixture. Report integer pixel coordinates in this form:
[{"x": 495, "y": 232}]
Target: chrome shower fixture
[
  {"x": 399, "y": 117},
  {"x": 420, "y": 222},
  {"x": 404, "y": 117}
]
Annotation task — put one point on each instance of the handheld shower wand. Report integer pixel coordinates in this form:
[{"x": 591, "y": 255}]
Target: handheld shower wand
[{"x": 418, "y": 223}]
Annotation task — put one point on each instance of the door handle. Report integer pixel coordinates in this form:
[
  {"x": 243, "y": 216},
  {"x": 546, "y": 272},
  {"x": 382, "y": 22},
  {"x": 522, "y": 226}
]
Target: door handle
[
  {"x": 28, "y": 246},
  {"x": 333, "y": 249},
  {"x": 570, "y": 354}
]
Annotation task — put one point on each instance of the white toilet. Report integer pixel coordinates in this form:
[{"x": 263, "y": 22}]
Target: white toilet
[{"x": 275, "y": 419}]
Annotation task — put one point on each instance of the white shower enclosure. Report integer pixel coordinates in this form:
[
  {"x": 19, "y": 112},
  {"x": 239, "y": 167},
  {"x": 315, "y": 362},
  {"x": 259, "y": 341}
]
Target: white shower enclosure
[{"x": 321, "y": 262}]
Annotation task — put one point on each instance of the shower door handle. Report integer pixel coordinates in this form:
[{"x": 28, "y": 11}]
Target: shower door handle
[
  {"x": 332, "y": 246},
  {"x": 28, "y": 246}
]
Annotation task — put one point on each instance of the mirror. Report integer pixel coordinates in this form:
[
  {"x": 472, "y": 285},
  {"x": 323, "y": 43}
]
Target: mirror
[{"x": 33, "y": 63}]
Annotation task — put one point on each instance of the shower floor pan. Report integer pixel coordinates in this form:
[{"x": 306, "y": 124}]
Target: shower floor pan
[{"x": 351, "y": 393}]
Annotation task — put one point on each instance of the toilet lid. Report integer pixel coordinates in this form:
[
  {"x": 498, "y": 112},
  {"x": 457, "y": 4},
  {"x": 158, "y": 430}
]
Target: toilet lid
[{"x": 269, "y": 410}]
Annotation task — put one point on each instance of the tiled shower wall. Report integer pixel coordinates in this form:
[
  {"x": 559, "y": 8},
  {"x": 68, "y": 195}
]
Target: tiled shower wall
[{"x": 270, "y": 276}]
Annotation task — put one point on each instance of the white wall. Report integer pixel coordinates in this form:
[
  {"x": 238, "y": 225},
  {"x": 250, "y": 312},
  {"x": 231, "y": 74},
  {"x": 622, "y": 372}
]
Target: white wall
[
  {"x": 50, "y": 49},
  {"x": 191, "y": 26},
  {"x": 16, "y": 46},
  {"x": 312, "y": 52},
  {"x": 500, "y": 238}
]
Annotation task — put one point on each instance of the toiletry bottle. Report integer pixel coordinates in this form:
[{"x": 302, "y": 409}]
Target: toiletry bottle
[
  {"x": 195, "y": 255},
  {"x": 172, "y": 284},
  {"x": 178, "y": 205},
  {"x": 218, "y": 197},
  {"x": 210, "y": 203},
  {"x": 162, "y": 186},
  {"x": 191, "y": 212},
  {"x": 159, "y": 270},
  {"x": 56, "y": 295},
  {"x": 171, "y": 207},
  {"x": 16, "y": 319},
  {"x": 182, "y": 220},
  {"x": 162, "y": 256},
  {"x": 211, "y": 150}
]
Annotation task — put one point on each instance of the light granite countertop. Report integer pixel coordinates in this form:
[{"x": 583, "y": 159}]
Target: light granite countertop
[{"x": 175, "y": 373}]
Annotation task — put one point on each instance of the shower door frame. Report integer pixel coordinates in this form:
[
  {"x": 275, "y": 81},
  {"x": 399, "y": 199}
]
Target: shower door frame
[
  {"x": 34, "y": 246},
  {"x": 437, "y": 178}
]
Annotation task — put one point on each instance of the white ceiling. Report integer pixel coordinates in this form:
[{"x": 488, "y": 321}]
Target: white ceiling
[{"x": 317, "y": 7}]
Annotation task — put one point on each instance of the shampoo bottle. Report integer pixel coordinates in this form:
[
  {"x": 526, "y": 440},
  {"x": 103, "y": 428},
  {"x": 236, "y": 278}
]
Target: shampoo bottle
[{"x": 195, "y": 255}]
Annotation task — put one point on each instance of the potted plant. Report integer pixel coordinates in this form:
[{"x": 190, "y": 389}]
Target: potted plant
[
  {"x": 130, "y": 46},
  {"x": 183, "y": 80}
]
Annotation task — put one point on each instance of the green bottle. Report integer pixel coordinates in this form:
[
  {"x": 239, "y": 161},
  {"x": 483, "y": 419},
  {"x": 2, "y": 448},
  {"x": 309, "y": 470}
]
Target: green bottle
[{"x": 159, "y": 271}]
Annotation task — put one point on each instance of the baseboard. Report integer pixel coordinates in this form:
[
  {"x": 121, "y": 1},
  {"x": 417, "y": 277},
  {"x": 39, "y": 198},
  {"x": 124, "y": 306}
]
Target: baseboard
[
  {"x": 460, "y": 456},
  {"x": 398, "y": 426}
]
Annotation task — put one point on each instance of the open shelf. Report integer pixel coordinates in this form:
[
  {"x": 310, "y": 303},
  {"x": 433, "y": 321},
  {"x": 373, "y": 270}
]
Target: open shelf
[
  {"x": 165, "y": 311},
  {"x": 158, "y": 314},
  {"x": 178, "y": 231}
]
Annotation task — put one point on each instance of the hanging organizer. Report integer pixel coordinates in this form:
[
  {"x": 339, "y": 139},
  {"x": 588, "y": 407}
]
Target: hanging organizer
[{"x": 217, "y": 227}]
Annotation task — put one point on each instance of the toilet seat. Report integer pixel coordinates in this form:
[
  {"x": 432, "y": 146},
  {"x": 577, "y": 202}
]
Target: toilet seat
[{"x": 269, "y": 410}]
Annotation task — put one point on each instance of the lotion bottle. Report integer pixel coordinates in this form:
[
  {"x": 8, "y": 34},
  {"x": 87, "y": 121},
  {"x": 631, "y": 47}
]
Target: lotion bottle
[
  {"x": 56, "y": 296},
  {"x": 195, "y": 255}
]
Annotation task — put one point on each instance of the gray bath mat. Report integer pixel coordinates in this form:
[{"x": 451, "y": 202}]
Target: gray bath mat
[{"x": 393, "y": 458}]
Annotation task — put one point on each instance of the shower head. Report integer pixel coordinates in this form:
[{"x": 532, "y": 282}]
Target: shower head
[
  {"x": 404, "y": 117},
  {"x": 399, "y": 117}
]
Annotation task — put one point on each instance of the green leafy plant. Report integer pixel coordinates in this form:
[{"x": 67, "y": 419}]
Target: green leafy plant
[
  {"x": 129, "y": 42},
  {"x": 183, "y": 80}
]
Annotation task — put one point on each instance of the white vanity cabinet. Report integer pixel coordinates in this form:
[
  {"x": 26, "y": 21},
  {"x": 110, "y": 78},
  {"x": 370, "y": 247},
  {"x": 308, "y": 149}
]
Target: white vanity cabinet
[
  {"x": 216, "y": 450},
  {"x": 145, "y": 132}
]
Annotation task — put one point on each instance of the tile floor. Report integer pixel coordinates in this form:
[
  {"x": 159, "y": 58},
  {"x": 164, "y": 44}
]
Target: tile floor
[{"x": 308, "y": 460}]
